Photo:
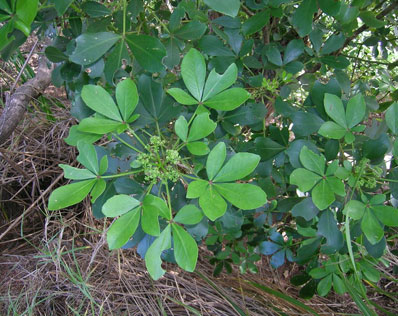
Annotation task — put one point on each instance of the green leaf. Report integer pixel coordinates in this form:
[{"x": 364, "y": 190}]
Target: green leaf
[
  {"x": 388, "y": 215},
  {"x": 62, "y": 5},
  {"x": 312, "y": 161},
  {"x": 216, "y": 83},
  {"x": 193, "y": 72},
  {"x": 335, "y": 109},
  {"x": 392, "y": 118},
  {"x": 181, "y": 96},
  {"x": 338, "y": 284},
  {"x": 157, "y": 203},
  {"x": 371, "y": 227},
  {"x": 356, "y": 109},
  {"x": 215, "y": 160},
  {"x": 119, "y": 204},
  {"x": 325, "y": 285},
  {"x": 115, "y": 59},
  {"x": 26, "y": 11},
  {"x": 75, "y": 136},
  {"x": 104, "y": 163},
  {"x": 267, "y": 148},
  {"x": 181, "y": 128},
  {"x": 5, "y": 6},
  {"x": 100, "y": 101},
  {"x": 256, "y": 22},
  {"x": 322, "y": 195},
  {"x": 189, "y": 215},
  {"x": 293, "y": 50},
  {"x": 88, "y": 156},
  {"x": 330, "y": 7},
  {"x": 190, "y": 31},
  {"x": 122, "y": 229},
  {"x": 302, "y": 17},
  {"x": 76, "y": 173},
  {"x": 327, "y": 227},
  {"x": 55, "y": 55},
  {"x": 153, "y": 261},
  {"x": 95, "y": 9},
  {"x": 196, "y": 189},
  {"x": 333, "y": 43},
  {"x": 228, "y": 100},
  {"x": 319, "y": 273},
  {"x": 148, "y": 51},
  {"x": 305, "y": 209},
  {"x": 126, "y": 97},
  {"x": 227, "y": 7},
  {"x": 70, "y": 194},
  {"x": 92, "y": 46},
  {"x": 242, "y": 195},
  {"x": 336, "y": 185},
  {"x": 238, "y": 167},
  {"x": 304, "y": 179},
  {"x": 198, "y": 148},
  {"x": 202, "y": 126},
  {"x": 273, "y": 55},
  {"x": 149, "y": 219},
  {"x": 185, "y": 248},
  {"x": 98, "y": 189},
  {"x": 370, "y": 19},
  {"x": 212, "y": 204},
  {"x": 99, "y": 126},
  {"x": 332, "y": 130}
]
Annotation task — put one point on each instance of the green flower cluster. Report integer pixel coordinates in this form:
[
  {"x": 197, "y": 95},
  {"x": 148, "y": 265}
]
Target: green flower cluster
[
  {"x": 159, "y": 164},
  {"x": 369, "y": 174}
]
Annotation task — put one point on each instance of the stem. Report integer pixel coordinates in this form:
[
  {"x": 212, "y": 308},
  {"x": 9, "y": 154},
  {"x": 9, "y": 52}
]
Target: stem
[
  {"x": 168, "y": 199},
  {"x": 124, "y": 17},
  {"x": 127, "y": 144},
  {"x": 136, "y": 136},
  {"x": 190, "y": 177},
  {"x": 121, "y": 174}
]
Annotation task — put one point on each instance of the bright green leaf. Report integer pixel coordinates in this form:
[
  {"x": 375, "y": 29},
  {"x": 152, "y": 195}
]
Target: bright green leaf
[
  {"x": 100, "y": 101},
  {"x": 127, "y": 97},
  {"x": 312, "y": 161},
  {"x": 392, "y": 118},
  {"x": 118, "y": 205},
  {"x": 181, "y": 96},
  {"x": 181, "y": 128},
  {"x": 196, "y": 189},
  {"x": 157, "y": 203},
  {"x": 101, "y": 126},
  {"x": 88, "y": 156},
  {"x": 26, "y": 11},
  {"x": 193, "y": 72},
  {"x": 98, "y": 189},
  {"x": 322, "y": 195},
  {"x": 76, "y": 173},
  {"x": 153, "y": 261},
  {"x": 238, "y": 167},
  {"x": 122, "y": 229},
  {"x": 212, "y": 204},
  {"x": 70, "y": 194},
  {"x": 198, "y": 148},
  {"x": 335, "y": 109},
  {"x": 356, "y": 109},
  {"x": 216, "y": 83},
  {"x": 185, "y": 248},
  {"x": 189, "y": 215},
  {"x": 325, "y": 285},
  {"x": 228, "y": 100},
  {"x": 388, "y": 215},
  {"x": 202, "y": 126},
  {"x": 304, "y": 179},
  {"x": 371, "y": 227},
  {"x": 332, "y": 130},
  {"x": 242, "y": 195},
  {"x": 215, "y": 160}
]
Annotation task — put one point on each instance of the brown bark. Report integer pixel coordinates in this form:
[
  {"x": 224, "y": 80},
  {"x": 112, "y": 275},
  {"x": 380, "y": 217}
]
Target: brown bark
[{"x": 16, "y": 103}]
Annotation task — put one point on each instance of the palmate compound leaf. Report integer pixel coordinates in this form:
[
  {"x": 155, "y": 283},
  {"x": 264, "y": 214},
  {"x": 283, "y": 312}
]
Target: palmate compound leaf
[
  {"x": 153, "y": 261},
  {"x": 238, "y": 167},
  {"x": 228, "y": 7},
  {"x": 304, "y": 179},
  {"x": 122, "y": 229},
  {"x": 228, "y": 100},
  {"x": 185, "y": 248},
  {"x": 70, "y": 194},
  {"x": 371, "y": 227},
  {"x": 212, "y": 204},
  {"x": 152, "y": 208},
  {"x": 119, "y": 205},
  {"x": 312, "y": 161}
]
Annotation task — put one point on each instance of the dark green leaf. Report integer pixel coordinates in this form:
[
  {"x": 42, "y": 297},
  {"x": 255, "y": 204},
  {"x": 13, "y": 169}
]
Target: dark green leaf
[
  {"x": 228, "y": 7},
  {"x": 305, "y": 209},
  {"x": 191, "y": 31},
  {"x": 256, "y": 22},
  {"x": 293, "y": 50},
  {"x": 392, "y": 117},
  {"x": 95, "y": 9},
  {"x": 388, "y": 215},
  {"x": 302, "y": 17},
  {"x": 305, "y": 123},
  {"x": 148, "y": 51},
  {"x": 327, "y": 227},
  {"x": 267, "y": 148},
  {"x": 332, "y": 44},
  {"x": 370, "y": 19},
  {"x": 273, "y": 55},
  {"x": 92, "y": 46}
]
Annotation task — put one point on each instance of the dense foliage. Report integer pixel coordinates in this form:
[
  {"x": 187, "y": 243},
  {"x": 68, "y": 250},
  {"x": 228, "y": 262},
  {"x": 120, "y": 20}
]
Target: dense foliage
[{"x": 254, "y": 127}]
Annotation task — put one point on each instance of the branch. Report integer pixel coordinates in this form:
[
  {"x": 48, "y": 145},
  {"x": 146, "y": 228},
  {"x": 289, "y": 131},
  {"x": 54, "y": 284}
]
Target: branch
[{"x": 16, "y": 103}]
